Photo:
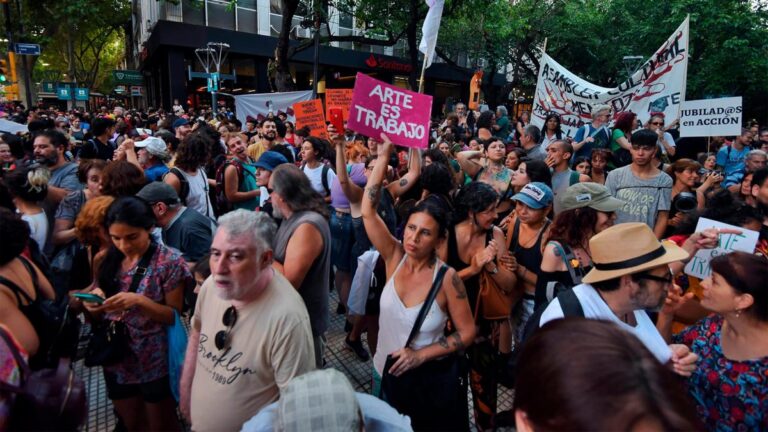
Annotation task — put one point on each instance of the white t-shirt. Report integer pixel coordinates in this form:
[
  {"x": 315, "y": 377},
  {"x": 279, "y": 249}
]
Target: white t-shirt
[
  {"x": 670, "y": 141},
  {"x": 315, "y": 176},
  {"x": 38, "y": 227},
  {"x": 595, "y": 307}
]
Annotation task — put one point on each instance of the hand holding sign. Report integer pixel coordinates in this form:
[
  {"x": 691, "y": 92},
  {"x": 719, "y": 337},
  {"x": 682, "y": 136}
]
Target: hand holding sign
[{"x": 714, "y": 238}]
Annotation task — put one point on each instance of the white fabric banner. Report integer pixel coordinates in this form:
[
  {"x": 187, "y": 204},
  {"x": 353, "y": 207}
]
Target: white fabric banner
[
  {"x": 430, "y": 29},
  {"x": 12, "y": 127},
  {"x": 711, "y": 117},
  {"x": 658, "y": 86},
  {"x": 260, "y": 105}
]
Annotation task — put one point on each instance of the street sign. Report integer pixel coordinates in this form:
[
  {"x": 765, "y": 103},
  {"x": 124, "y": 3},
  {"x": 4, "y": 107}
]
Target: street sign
[
  {"x": 137, "y": 90},
  {"x": 130, "y": 77},
  {"x": 63, "y": 93},
  {"x": 213, "y": 82},
  {"x": 27, "y": 48},
  {"x": 49, "y": 87},
  {"x": 120, "y": 89},
  {"x": 81, "y": 94}
]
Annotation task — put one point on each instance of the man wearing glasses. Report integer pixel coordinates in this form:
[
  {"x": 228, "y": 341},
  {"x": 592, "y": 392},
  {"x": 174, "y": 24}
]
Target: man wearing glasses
[
  {"x": 593, "y": 135},
  {"x": 645, "y": 189},
  {"x": 631, "y": 273},
  {"x": 250, "y": 333}
]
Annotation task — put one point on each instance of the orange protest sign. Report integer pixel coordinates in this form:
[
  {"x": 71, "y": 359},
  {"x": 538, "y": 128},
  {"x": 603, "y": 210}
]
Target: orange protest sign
[
  {"x": 310, "y": 113},
  {"x": 474, "y": 90},
  {"x": 338, "y": 98}
]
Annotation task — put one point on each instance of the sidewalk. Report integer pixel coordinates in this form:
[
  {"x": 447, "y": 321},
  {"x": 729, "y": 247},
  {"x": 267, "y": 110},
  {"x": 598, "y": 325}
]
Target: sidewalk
[{"x": 102, "y": 419}]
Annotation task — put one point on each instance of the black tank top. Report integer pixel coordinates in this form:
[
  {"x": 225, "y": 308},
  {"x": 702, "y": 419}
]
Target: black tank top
[
  {"x": 471, "y": 284},
  {"x": 530, "y": 258}
]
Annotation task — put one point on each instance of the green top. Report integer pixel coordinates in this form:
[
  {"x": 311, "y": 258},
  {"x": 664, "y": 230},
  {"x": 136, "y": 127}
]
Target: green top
[{"x": 247, "y": 184}]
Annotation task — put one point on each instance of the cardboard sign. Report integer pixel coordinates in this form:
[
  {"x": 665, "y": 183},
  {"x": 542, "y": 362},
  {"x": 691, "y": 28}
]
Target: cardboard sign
[
  {"x": 378, "y": 107},
  {"x": 338, "y": 98},
  {"x": 745, "y": 242},
  {"x": 310, "y": 113},
  {"x": 711, "y": 117}
]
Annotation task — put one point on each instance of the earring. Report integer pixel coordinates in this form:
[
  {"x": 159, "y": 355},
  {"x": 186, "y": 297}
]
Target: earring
[{"x": 738, "y": 312}]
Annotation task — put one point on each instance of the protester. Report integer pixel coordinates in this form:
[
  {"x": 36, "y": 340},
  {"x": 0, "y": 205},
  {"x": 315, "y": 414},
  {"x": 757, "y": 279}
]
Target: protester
[
  {"x": 586, "y": 209},
  {"x": 121, "y": 178},
  {"x": 529, "y": 142},
  {"x": 181, "y": 128},
  {"x": 28, "y": 188},
  {"x": 101, "y": 145},
  {"x": 732, "y": 159},
  {"x": 302, "y": 245},
  {"x": 49, "y": 148},
  {"x": 645, "y": 189},
  {"x": 686, "y": 197},
  {"x": 240, "y": 188},
  {"x": 599, "y": 165},
  {"x": 522, "y": 122},
  {"x": 267, "y": 163},
  {"x": 491, "y": 171},
  {"x": 729, "y": 386},
  {"x": 551, "y": 131},
  {"x": 138, "y": 384},
  {"x": 248, "y": 314},
  {"x": 316, "y": 167},
  {"x": 514, "y": 158},
  {"x": 415, "y": 260},
  {"x": 89, "y": 174},
  {"x": 583, "y": 165},
  {"x": 665, "y": 142},
  {"x": 476, "y": 247},
  {"x": 188, "y": 177},
  {"x": 620, "y": 139},
  {"x": 594, "y": 135},
  {"x": 572, "y": 369},
  {"x": 152, "y": 156},
  {"x": 559, "y": 159}
]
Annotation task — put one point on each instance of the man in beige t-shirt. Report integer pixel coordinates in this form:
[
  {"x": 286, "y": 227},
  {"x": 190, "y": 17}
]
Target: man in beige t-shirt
[{"x": 250, "y": 332}]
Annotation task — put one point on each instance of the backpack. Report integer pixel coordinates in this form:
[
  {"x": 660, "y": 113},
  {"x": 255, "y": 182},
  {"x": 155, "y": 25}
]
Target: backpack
[
  {"x": 184, "y": 188},
  {"x": 324, "y": 177},
  {"x": 56, "y": 326},
  {"x": 222, "y": 203}
]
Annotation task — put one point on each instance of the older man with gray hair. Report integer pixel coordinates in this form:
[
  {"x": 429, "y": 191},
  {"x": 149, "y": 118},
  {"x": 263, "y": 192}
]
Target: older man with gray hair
[
  {"x": 756, "y": 159},
  {"x": 250, "y": 332},
  {"x": 593, "y": 135}
]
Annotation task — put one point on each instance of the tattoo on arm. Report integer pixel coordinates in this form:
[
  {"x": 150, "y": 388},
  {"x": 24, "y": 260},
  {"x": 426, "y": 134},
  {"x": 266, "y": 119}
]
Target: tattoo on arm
[
  {"x": 443, "y": 342},
  {"x": 403, "y": 182},
  {"x": 457, "y": 343},
  {"x": 373, "y": 193},
  {"x": 458, "y": 286}
]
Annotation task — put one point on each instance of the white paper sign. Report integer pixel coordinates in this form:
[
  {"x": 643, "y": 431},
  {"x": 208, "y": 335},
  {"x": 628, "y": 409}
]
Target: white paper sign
[
  {"x": 711, "y": 117},
  {"x": 745, "y": 242}
]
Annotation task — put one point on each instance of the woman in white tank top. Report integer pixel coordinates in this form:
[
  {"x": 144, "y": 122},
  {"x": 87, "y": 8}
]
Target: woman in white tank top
[{"x": 411, "y": 268}]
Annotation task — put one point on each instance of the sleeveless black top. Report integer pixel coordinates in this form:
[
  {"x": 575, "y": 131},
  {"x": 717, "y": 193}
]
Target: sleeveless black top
[{"x": 530, "y": 257}]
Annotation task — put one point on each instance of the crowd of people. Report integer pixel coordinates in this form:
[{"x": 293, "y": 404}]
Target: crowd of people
[{"x": 504, "y": 254}]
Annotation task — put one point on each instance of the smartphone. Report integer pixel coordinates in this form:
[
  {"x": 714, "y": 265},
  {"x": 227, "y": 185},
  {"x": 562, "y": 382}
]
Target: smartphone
[
  {"x": 337, "y": 119},
  {"x": 88, "y": 297}
]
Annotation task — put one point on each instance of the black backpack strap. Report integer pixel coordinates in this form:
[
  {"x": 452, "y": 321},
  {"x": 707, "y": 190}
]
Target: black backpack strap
[
  {"x": 325, "y": 179},
  {"x": 515, "y": 236},
  {"x": 427, "y": 304},
  {"x": 141, "y": 268},
  {"x": 184, "y": 188},
  {"x": 570, "y": 304}
]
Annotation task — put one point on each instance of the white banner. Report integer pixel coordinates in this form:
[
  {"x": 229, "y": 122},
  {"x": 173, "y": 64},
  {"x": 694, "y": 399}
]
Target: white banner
[
  {"x": 658, "y": 86},
  {"x": 711, "y": 117},
  {"x": 430, "y": 29},
  {"x": 260, "y": 105}
]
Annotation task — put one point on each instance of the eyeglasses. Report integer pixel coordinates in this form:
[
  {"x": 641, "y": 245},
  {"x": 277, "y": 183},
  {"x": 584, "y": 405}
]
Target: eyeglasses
[
  {"x": 658, "y": 123},
  {"x": 663, "y": 279},
  {"x": 229, "y": 319}
]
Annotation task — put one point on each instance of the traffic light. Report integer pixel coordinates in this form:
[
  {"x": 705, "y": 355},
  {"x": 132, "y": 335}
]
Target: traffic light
[{"x": 5, "y": 71}]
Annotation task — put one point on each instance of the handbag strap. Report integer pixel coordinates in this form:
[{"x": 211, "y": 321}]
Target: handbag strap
[
  {"x": 141, "y": 268},
  {"x": 427, "y": 304},
  {"x": 566, "y": 253}
]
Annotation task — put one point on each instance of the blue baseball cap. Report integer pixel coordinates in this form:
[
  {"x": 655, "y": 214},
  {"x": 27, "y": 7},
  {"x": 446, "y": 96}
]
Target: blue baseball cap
[
  {"x": 180, "y": 122},
  {"x": 535, "y": 195},
  {"x": 269, "y": 160}
]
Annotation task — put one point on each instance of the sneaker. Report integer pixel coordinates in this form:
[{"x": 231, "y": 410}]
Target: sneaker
[{"x": 357, "y": 347}]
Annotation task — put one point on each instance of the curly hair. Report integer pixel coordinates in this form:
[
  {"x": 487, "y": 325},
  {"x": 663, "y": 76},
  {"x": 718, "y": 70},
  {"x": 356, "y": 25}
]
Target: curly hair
[
  {"x": 90, "y": 220},
  {"x": 320, "y": 147},
  {"x": 485, "y": 120},
  {"x": 574, "y": 227},
  {"x": 193, "y": 152},
  {"x": 474, "y": 197},
  {"x": 87, "y": 165},
  {"x": 122, "y": 178},
  {"x": 437, "y": 179},
  {"x": 14, "y": 235}
]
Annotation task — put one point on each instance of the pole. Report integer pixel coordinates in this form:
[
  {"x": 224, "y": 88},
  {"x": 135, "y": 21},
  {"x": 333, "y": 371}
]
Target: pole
[
  {"x": 213, "y": 103},
  {"x": 423, "y": 71},
  {"x": 544, "y": 48},
  {"x": 316, "y": 61}
]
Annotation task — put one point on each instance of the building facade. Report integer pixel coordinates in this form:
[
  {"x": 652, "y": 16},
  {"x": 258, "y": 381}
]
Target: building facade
[{"x": 165, "y": 37}]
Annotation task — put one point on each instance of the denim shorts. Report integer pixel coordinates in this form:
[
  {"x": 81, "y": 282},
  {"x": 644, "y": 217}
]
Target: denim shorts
[{"x": 342, "y": 239}]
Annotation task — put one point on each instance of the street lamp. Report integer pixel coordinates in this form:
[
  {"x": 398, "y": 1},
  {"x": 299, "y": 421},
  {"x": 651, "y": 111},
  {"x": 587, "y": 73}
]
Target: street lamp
[{"x": 212, "y": 56}]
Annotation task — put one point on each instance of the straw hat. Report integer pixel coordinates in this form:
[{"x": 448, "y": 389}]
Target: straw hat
[{"x": 629, "y": 248}]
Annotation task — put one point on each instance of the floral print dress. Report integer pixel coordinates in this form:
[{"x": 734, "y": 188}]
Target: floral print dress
[
  {"x": 148, "y": 357},
  {"x": 729, "y": 395}
]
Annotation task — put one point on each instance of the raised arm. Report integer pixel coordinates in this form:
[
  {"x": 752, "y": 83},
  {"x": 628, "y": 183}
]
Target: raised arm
[
  {"x": 400, "y": 187},
  {"x": 353, "y": 192},
  {"x": 469, "y": 161},
  {"x": 377, "y": 231}
]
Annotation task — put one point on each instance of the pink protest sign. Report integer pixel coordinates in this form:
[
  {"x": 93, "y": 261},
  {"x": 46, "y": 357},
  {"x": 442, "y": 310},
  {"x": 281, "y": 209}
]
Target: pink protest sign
[{"x": 401, "y": 114}]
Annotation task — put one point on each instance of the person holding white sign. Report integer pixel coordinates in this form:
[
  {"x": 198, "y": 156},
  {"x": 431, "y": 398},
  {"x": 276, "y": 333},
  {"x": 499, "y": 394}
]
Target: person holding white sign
[{"x": 729, "y": 386}]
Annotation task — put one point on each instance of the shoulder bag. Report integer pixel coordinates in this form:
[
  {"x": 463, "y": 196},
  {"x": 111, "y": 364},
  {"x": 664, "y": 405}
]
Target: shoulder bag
[
  {"x": 109, "y": 342},
  {"x": 434, "y": 395},
  {"x": 493, "y": 301}
]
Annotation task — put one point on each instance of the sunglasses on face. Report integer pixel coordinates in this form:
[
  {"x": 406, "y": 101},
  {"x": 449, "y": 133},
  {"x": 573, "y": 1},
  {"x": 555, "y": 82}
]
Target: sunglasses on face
[
  {"x": 658, "y": 123},
  {"x": 229, "y": 319},
  {"x": 663, "y": 279}
]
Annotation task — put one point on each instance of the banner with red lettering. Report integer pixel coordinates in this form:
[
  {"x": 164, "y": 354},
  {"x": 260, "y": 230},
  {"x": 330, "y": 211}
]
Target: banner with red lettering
[
  {"x": 401, "y": 114},
  {"x": 658, "y": 86}
]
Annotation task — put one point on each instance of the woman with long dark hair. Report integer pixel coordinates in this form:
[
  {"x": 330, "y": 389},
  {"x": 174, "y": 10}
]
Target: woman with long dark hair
[
  {"x": 411, "y": 267},
  {"x": 475, "y": 246},
  {"x": 622, "y": 133},
  {"x": 188, "y": 175},
  {"x": 551, "y": 131},
  {"x": 138, "y": 384}
]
